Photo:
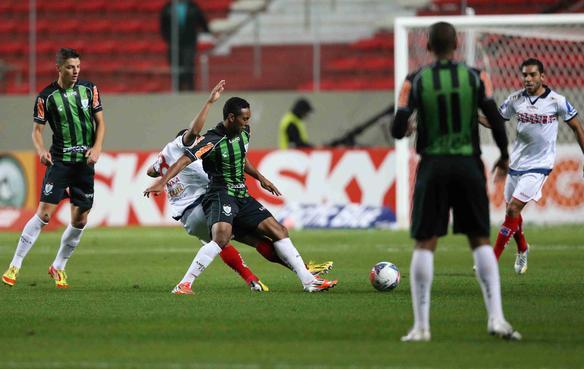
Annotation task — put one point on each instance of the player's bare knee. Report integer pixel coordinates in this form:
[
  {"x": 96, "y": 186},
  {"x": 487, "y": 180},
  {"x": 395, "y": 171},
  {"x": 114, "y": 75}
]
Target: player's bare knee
[
  {"x": 221, "y": 239},
  {"x": 513, "y": 210},
  {"x": 79, "y": 224},
  {"x": 44, "y": 216},
  {"x": 281, "y": 231}
]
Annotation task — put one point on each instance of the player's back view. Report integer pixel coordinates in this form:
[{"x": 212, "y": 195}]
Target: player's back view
[
  {"x": 445, "y": 94},
  {"x": 450, "y": 175}
]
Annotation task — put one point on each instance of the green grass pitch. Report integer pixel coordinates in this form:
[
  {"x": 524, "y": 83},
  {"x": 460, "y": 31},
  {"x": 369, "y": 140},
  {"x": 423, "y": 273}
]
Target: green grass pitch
[{"x": 119, "y": 312}]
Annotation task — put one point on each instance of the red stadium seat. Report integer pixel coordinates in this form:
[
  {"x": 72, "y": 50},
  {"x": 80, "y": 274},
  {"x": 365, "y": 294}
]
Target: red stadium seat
[
  {"x": 129, "y": 26},
  {"x": 13, "y": 48},
  {"x": 94, "y": 6},
  {"x": 55, "y": 6},
  {"x": 151, "y": 6},
  {"x": 125, "y": 6}
]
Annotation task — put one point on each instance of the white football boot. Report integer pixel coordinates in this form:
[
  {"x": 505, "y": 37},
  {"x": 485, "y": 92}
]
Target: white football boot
[
  {"x": 502, "y": 329},
  {"x": 521, "y": 262},
  {"x": 417, "y": 335}
]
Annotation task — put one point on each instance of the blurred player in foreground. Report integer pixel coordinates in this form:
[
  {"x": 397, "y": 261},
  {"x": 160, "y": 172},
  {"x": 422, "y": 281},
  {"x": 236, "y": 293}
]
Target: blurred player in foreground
[{"x": 450, "y": 175}]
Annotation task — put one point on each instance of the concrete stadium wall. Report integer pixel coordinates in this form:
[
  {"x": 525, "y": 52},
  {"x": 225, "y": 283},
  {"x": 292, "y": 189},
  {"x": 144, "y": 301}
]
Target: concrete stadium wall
[{"x": 147, "y": 122}]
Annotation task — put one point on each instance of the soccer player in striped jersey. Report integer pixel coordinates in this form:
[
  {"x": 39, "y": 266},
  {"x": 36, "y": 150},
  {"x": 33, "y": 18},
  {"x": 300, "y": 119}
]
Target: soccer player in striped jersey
[
  {"x": 450, "y": 175},
  {"x": 185, "y": 193},
  {"x": 73, "y": 110},
  {"x": 228, "y": 207},
  {"x": 538, "y": 110}
]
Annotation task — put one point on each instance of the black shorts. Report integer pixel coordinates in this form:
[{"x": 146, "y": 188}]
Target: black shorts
[
  {"x": 74, "y": 180},
  {"x": 450, "y": 182},
  {"x": 244, "y": 214}
]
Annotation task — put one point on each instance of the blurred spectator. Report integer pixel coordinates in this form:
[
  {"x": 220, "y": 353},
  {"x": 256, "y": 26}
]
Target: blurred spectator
[
  {"x": 292, "y": 129},
  {"x": 191, "y": 21}
]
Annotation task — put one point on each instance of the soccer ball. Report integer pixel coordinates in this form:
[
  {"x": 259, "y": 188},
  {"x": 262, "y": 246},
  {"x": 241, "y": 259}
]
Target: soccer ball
[{"x": 384, "y": 276}]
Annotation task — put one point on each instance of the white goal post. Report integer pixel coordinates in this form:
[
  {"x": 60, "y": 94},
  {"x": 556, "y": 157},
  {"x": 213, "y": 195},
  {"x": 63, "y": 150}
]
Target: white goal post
[{"x": 497, "y": 44}]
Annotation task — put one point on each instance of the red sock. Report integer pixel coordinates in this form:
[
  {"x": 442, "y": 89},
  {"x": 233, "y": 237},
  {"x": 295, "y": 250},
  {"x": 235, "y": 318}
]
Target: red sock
[
  {"x": 266, "y": 249},
  {"x": 507, "y": 230},
  {"x": 233, "y": 258},
  {"x": 520, "y": 237}
]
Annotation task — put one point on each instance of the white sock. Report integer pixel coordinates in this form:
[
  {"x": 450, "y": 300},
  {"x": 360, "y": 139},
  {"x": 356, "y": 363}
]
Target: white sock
[
  {"x": 204, "y": 257},
  {"x": 29, "y": 235},
  {"x": 288, "y": 253},
  {"x": 69, "y": 241},
  {"x": 421, "y": 274},
  {"x": 487, "y": 272}
]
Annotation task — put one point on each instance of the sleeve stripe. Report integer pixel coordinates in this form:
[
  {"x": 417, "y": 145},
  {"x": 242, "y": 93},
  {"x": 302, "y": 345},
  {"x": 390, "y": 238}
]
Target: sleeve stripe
[
  {"x": 488, "y": 84},
  {"x": 404, "y": 94}
]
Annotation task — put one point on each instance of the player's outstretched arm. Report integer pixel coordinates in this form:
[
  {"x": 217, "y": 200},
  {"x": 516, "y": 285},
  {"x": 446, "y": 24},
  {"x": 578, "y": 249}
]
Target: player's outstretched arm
[
  {"x": 576, "y": 126},
  {"x": 39, "y": 145},
  {"x": 158, "y": 186},
  {"x": 267, "y": 185},
  {"x": 94, "y": 152},
  {"x": 198, "y": 123}
]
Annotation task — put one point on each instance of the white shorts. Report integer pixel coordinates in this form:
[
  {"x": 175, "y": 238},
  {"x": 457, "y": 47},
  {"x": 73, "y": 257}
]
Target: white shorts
[
  {"x": 195, "y": 223},
  {"x": 524, "y": 187}
]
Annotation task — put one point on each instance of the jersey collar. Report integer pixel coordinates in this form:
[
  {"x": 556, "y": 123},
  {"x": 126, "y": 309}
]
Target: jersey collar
[{"x": 542, "y": 96}]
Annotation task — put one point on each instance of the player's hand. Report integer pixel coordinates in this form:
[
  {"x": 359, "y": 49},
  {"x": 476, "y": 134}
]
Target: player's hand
[
  {"x": 156, "y": 188},
  {"x": 216, "y": 91},
  {"x": 501, "y": 168},
  {"x": 46, "y": 158},
  {"x": 92, "y": 155},
  {"x": 269, "y": 186}
]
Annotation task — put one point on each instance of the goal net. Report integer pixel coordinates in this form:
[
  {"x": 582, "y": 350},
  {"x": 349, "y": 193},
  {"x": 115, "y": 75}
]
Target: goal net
[{"x": 498, "y": 45}]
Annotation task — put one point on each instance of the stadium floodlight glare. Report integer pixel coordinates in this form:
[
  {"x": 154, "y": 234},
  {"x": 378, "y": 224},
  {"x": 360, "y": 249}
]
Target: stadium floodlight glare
[{"x": 497, "y": 44}]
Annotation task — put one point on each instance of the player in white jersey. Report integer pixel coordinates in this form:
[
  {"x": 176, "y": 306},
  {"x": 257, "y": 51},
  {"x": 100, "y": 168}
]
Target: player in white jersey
[
  {"x": 185, "y": 192},
  {"x": 538, "y": 110}
]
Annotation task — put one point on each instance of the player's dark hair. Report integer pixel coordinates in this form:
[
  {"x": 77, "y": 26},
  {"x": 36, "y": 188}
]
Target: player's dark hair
[
  {"x": 301, "y": 107},
  {"x": 234, "y": 106},
  {"x": 64, "y": 54},
  {"x": 441, "y": 38},
  {"x": 181, "y": 132},
  {"x": 532, "y": 61}
]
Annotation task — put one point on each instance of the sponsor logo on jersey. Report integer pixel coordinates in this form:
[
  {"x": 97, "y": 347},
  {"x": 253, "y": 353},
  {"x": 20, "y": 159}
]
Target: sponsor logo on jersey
[
  {"x": 234, "y": 140},
  {"x": 203, "y": 150},
  {"x": 95, "y": 97},
  {"x": 174, "y": 188},
  {"x": 237, "y": 186},
  {"x": 76, "y": 149},
  {"x": 536, "y": 118},
  {"x": 40, "y": 108}
]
